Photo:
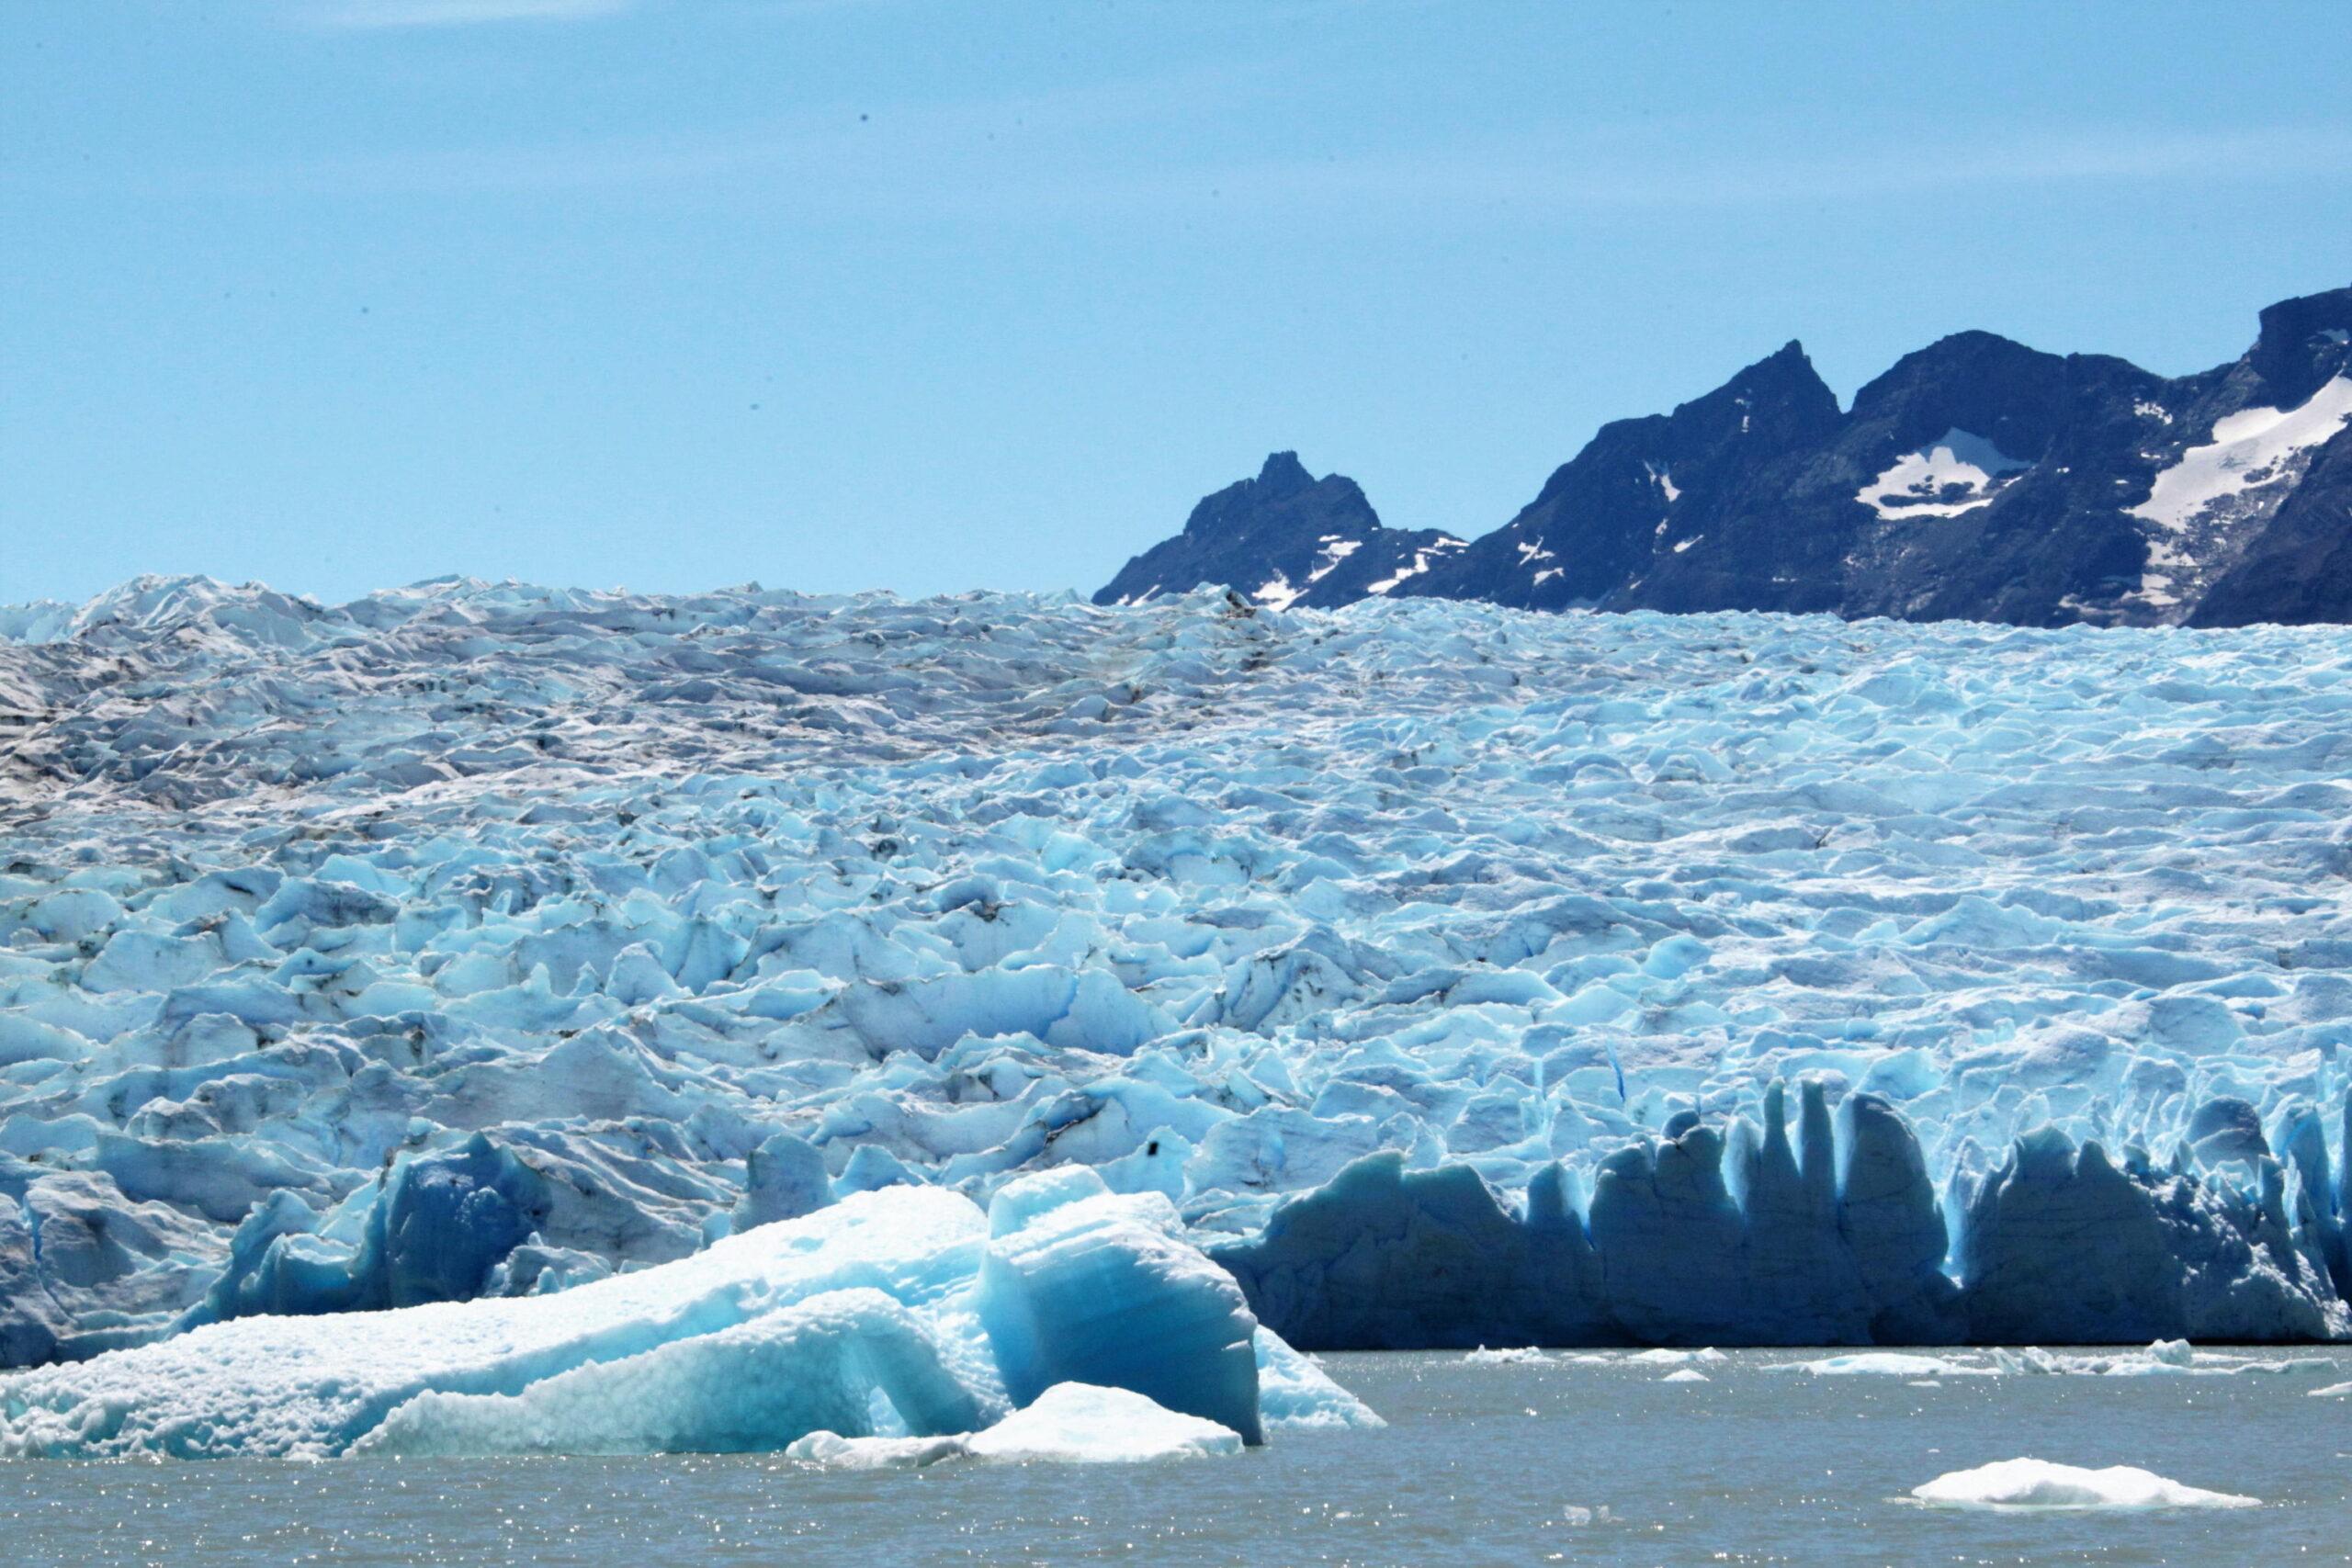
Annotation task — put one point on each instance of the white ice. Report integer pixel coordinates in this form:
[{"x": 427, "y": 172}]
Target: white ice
[
  {"x": 1070, "y": 1423},
  {"x": 2037, "y": 1483},
  {"x": 1887, "y": 1363},
  {"x": 2165, "y": 1358},
  {"x": 1081, "y": 1422}
]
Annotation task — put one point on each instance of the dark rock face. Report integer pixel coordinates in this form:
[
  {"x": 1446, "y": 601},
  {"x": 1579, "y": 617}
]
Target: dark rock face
[
  {"x": 1285, "y": 538},
  {"x": 1977, "y": 478}
]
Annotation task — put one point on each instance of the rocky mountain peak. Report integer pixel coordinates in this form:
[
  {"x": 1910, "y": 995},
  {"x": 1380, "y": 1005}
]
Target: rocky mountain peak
[
  {"x": 2303, "y": 342},
  {"x": 1282, "y": 473},
  {"x": 1977, "y": 479}
]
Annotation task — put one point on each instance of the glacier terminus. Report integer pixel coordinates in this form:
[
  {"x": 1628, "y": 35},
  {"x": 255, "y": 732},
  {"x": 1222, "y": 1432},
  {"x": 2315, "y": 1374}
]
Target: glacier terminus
[{"x": 488, "y": 1018}]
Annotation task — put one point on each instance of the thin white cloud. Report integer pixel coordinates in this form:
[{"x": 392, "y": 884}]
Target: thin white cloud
[{"x": 447, "y": 13}]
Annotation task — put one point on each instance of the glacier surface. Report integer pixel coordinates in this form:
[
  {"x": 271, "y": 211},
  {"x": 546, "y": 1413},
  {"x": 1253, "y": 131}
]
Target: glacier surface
[{"x": 1452, "y": 976}]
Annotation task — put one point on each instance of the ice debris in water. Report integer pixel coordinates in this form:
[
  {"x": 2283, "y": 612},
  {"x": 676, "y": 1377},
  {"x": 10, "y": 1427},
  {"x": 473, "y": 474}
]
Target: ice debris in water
[
  {"x": 1071, "y": 1422},
  {"x": 902, "y": 1312},
  {"x": 1079, "y": 1421},
  {"x": 2164, "y": 1358},
  {"x": 1887, "y": 1363},
  {"x": 2037, "y": 1483},
  {"x": 1458, "y": 975}
]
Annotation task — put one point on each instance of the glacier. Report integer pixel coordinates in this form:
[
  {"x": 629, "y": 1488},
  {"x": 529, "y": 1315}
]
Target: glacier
[{"x": 1449, "y": 975}]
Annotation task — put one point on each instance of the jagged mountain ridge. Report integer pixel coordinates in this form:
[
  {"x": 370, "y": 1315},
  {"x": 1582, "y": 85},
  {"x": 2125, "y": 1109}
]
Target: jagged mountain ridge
[
  {"x": 1313, "y": 542},
  {"x": 1977, "y": 478}
]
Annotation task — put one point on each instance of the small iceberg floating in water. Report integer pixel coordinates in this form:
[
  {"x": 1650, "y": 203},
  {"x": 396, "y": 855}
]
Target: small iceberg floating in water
[
  {"x": 2038, "y": 1484},
  {"x": 1071, "y": 1422},
  {"x": 1886, "y": 1363}
]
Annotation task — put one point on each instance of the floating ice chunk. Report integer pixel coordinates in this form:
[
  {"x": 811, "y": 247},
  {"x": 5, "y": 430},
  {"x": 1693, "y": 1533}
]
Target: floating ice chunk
[
  {"x": 1887, "y": 1363},
  {"x": 2037, "y": 1483},
  {"x": 1296, "y": 1394},
  {"x": 892, "y": 1313},
  {"x": 1687, "y": 1374},
  {"x": 1082, "y": 1284},
  {"x": 1076, "y": 1421},
  {"x": 834, "y": 1452},
  {"x": 753, "y": 1388},
  {"x": 519, "y": 1373},
  {"x": 1069, "y": 1423},
  {"x": 1511, "y": 1356},
  {"x": 2171, "y": 1358}
]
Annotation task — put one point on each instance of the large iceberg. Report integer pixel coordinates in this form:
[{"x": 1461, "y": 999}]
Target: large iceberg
[
  {"x": 887, "y": 1316},
  {"x": 1454, "y": 975}
]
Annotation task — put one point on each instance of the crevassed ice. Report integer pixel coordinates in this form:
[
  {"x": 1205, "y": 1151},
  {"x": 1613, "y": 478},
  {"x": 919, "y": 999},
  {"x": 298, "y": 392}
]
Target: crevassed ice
[{"x": 488, "y": 938}]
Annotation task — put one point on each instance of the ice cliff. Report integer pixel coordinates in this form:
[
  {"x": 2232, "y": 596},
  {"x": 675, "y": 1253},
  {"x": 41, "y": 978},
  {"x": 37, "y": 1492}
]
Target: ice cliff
[{"x": 1452, "y": 974}]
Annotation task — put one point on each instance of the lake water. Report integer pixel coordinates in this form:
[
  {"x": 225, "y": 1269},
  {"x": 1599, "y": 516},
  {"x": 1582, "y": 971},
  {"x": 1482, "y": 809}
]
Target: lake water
[{"x": 1480, "y": 1464}]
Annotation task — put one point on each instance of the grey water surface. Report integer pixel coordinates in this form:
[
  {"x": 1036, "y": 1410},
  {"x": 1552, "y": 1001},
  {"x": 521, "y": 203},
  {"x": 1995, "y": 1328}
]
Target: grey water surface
[{"x": 1480, "y": 1464}]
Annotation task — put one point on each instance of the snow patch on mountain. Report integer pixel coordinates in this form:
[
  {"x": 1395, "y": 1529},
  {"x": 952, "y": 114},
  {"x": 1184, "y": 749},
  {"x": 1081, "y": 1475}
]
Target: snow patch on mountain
[
  {"x": 1956, "y": 472},
  {"x": 1336, "y": 549},
  {"x": 2255, "y": 455},
  {"x": 1418, "y": 565}
]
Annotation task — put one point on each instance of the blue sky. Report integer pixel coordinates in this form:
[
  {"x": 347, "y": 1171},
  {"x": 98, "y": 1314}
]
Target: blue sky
[{"x": 834, "y": 294}]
